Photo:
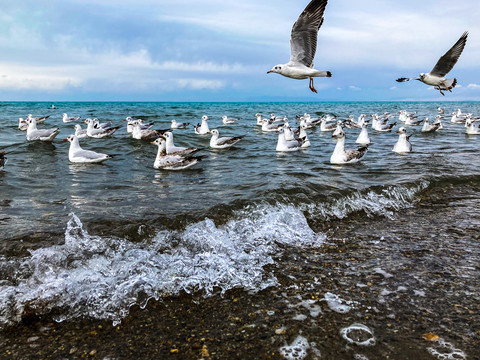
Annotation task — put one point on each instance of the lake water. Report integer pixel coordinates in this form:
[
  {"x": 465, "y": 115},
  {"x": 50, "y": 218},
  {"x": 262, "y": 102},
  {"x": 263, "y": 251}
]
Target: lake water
[{"x": 91, "y": 241}]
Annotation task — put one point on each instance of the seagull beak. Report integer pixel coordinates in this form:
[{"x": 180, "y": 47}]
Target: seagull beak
[
  {"x": 269, "y": 71},
  {"x": 153, "y": 143},
  {"x": 66, "y": 139}
]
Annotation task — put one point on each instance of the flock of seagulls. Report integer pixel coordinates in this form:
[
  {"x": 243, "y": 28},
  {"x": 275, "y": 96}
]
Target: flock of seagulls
[
  {"x": 303, "y": 46},
  {"x": 173, "y": 157}
]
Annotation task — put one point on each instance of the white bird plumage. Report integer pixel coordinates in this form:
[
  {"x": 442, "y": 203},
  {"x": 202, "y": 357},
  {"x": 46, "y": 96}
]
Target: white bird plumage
[
  {"x": 78, "y": 155},
  {"x": 436, "y": 77},
  {"x": 303, "y": 44}
]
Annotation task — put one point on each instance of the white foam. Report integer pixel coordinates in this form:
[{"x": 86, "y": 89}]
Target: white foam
[
  {"x": 384, "y": 202},
  {"x": 345, "y": 332},
  {"x": 297, "y": 350},
  {"x": 444, "y": 350},
  {"x": 102, "y": 277},
  {"x": 337, "y": 304}
]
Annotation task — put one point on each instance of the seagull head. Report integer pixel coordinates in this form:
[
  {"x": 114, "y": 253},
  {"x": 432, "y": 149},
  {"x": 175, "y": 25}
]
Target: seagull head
[
  {"x": 214, "y": 132},
  {"x": 421, "y": 77},
  {"x": 276, "y": 69},
  {"x": 205, "y": 117},
  {"x": 338, "y": 134},
  {"x": 402, "y": 130},
  {"x": 70, "y": 138}
]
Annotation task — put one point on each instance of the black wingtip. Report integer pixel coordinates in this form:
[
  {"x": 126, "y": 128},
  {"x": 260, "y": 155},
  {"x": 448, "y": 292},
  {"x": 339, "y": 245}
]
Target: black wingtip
[{"x": 329, "y": 74}]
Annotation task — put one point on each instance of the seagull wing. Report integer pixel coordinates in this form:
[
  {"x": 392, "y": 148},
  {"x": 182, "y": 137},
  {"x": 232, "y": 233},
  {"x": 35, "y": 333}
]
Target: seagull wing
[
  {"x": 448, "y": 61},
  {"x": 303, "y": 40}
]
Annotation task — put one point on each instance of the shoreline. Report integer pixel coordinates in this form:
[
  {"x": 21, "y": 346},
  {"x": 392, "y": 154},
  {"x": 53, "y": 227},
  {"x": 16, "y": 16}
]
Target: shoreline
[{"x": 402, "y": 278}]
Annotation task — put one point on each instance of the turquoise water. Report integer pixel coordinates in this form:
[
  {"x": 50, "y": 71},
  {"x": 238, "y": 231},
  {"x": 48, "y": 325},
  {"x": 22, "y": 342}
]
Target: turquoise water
[
  {"x": 110, "y": 232},
  {"x": 40, "y": 188}
]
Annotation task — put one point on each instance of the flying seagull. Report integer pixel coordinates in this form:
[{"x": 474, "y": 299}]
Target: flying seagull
[
  {"x": 436, "y": 77},
  {"x": 303, "y": 44}
]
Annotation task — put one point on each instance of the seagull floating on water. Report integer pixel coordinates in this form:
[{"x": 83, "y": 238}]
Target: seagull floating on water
[
  {"x": 22, "y": 124},
  {"x": 177, "y": 125},
  {"x": 142, "y": 125},
  {"x": 445, "y": 64},
  {"x": 202, "y": 129},
  {"x": 98, "y": 132},
  {"x": 171, "y": 149},
  {"x": 342, "y": 156},
  {"x": 303, "y": 44},
  {"x": 427, "y": 127},
  {"x": 39, "y": 119},
  {"x": 471, "y": 129},
  {"x": 363, "y": 137},
  {"x": 67, "y": 118},
  {"x": 225, "y": 142},
  {"x": 403, "y": 144},
  {"x": 226, "y": 120},
  {"x": 284, "y": 145},
  {"x": 78, "y": 155},
  {"x": 40, "y": 134},
  {"x": 147, "y": 134},
  {"x": 164, "y": 161},
  {"x": 79, "y": 132}
]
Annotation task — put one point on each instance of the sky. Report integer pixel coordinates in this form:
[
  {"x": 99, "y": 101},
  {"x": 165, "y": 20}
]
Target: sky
[{"x": 217, "y": 50}]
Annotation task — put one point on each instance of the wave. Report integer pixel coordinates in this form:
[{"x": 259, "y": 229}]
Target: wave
[{"x": 102, "y": 277}]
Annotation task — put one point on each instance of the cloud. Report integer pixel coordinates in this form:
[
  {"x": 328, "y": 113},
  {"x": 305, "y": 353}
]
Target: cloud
[
  {"x": 354, "y": 88},
  {"x": 473, "y": 86}
]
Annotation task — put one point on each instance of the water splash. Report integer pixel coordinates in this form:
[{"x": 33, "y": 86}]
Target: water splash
[
  {"x": 102, "y": 277},
  {"x": 384, "y": 202}
]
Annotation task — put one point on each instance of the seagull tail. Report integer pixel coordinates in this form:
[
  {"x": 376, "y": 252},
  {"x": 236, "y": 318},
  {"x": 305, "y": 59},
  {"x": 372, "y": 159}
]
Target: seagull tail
[
  {"x": 323, "y": 74},
  {"x": 451, "y": 83}
]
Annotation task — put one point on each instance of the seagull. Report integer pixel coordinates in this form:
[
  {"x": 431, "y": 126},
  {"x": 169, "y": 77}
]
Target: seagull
[
  {"x": 3, "y": 159},
  {"x": 39, "y": 120},
  {"x": 441, "y": 110},
  {"x": 79, "y": 132},
  {"x": 22, "y": 124},
  {"x": 363, "y": 137},
  {"x": 471, "y": 128},
  {"x": 177, "y": 125},
  {"x": 105, "y": 125},
  {"x": 142, "y": 125},
  {"x": 284, "y": 145},
  {"x": 436, "y": 77},
  {"x": 77, "y": 155},
  {"x": 146, "y": 135},
  {"x": 217, "y": 142},
  {"x": 202, "y": 129},
  {"x": 324, "y": 127},
  {"x": 303, "y": 44},
  {"x": 342, "y": 156},
  {"x": 302, "y": 135},
  {"x": 171, "y": 149},
  {"x": 43, "y": 134},
  {"x": 67, "y": 119},
  {"x": 427, "y": 127},
  {"x": 277, "y": 118},
  {"x": 172, "y": 162},
  {"x": 98, "y": 133},
  {"x": 269, "y": 126},
  {"x": 439, "y": 121},
  {"x": 226, "y": 120},
  {"x": 403, "y": 144},
  {"x": 259, "y": 119}
]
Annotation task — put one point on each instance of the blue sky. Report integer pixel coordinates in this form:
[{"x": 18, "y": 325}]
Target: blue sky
[{"x": 217, "y": 50}]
